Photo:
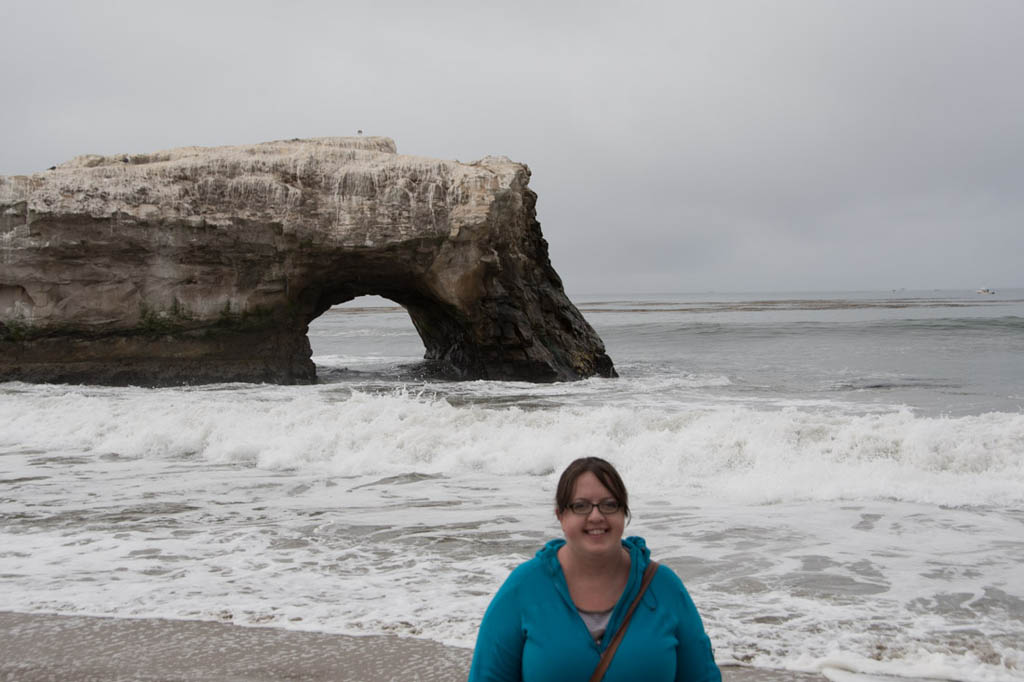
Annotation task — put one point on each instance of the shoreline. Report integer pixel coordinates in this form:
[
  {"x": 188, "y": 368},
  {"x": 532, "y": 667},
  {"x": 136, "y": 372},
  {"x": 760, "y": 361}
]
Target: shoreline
[{"x": 38, "y": 647}]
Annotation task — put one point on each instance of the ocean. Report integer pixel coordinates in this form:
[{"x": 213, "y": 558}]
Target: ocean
[{"x": 837, "y": 477}]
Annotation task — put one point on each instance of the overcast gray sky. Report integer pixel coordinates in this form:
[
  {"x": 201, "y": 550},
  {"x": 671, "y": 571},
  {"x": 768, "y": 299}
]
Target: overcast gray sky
[{"x": 675, "y": 146}]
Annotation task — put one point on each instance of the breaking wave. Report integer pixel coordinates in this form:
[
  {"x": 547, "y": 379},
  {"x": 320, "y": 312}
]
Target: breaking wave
[{"x": 750, "y": 455}]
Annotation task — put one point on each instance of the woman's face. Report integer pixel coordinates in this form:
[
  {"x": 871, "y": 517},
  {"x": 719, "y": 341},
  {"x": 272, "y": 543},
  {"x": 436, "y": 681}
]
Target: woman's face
[{"x": 593, "y": 533}]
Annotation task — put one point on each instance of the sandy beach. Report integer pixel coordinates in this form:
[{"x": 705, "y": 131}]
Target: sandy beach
[{"x": 38, "y": 648}]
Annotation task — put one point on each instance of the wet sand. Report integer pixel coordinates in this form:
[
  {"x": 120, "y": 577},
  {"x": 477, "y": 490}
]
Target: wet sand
[{"x": 38, "y": 648}]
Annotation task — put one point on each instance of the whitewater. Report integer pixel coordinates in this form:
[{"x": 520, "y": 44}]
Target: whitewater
[{"x": 838, "y": 478}]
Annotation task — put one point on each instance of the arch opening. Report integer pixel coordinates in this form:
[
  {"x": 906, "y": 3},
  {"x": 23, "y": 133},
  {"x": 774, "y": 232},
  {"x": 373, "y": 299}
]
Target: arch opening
[
  {"x": 365, "y": 336},
  {"x": 393, "y": 334},
  {"x": 442, "y": 343}
]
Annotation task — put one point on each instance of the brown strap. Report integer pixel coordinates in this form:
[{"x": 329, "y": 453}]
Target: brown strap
[{"x": 606, "y": 657}]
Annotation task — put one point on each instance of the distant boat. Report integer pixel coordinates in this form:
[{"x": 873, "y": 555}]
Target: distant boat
[{"x": 986, "y": 290}]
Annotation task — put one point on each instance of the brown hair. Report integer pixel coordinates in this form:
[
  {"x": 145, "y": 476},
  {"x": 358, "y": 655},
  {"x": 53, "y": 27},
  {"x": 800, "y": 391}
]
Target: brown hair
[{"x": 605, "y": 473}]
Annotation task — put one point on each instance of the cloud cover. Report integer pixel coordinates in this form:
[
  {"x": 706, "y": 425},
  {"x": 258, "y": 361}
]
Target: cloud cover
[{"x": 675, "y": 146}]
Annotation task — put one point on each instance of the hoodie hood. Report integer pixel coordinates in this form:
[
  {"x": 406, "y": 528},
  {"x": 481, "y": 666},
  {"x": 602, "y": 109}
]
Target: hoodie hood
[{"x": 639, "y": 557}]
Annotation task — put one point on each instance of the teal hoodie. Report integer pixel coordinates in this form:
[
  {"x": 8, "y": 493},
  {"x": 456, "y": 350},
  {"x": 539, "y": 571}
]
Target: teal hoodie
[{"x": 532, "y": 631}]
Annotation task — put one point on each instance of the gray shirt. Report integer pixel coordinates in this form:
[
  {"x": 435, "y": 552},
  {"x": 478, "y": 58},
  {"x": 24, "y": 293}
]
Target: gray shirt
[{"x": 596, "y": 621}]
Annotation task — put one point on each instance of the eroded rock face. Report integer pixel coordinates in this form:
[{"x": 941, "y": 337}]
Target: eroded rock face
[{"x": 207, "y": 264}]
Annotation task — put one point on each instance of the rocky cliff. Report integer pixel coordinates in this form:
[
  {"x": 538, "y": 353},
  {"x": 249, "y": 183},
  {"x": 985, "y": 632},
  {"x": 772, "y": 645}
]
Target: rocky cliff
[{"x": 207, "y": 264}]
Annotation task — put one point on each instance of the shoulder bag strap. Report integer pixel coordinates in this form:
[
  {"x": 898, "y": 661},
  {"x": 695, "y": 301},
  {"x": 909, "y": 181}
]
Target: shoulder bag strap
[{"x": 606, "y": 657}]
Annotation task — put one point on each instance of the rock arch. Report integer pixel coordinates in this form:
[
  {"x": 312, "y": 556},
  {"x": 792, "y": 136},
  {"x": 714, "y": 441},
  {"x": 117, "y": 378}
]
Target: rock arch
[{"x": 207, "y": 264}]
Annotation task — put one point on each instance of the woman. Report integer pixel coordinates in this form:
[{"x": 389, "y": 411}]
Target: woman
[{"x": 556, "y": 613}]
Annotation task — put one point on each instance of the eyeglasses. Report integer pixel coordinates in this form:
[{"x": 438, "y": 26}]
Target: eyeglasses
[{"x": 584, "y": 507}]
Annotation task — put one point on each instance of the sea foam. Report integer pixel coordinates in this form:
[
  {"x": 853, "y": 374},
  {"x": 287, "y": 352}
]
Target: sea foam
[{"x": 750, "y": 455}]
